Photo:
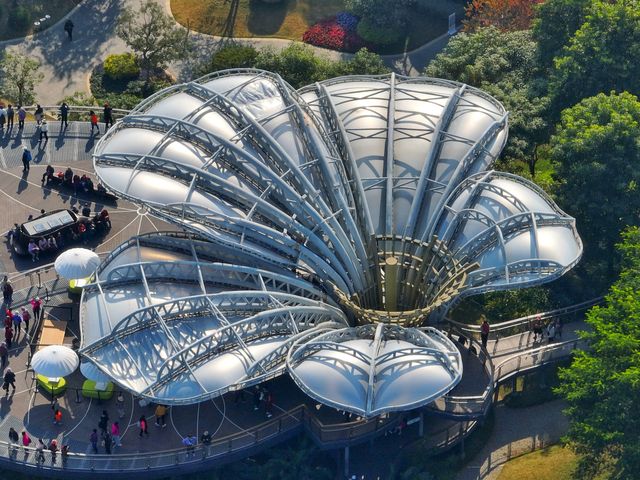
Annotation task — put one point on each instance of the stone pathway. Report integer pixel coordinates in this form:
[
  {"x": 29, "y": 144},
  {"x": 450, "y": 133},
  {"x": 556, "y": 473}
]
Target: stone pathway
[
  {"x": 67, "y": 65},
  {"x": 517, "y": 431}
]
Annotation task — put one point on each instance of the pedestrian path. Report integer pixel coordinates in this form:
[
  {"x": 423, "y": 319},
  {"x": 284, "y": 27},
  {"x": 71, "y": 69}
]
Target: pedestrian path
[{"x": 67, "y": 65}]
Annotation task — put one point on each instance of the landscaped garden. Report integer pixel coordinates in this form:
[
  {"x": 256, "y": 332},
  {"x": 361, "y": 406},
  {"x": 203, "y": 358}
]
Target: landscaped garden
[
  {"x": 325, "y": 23},
  {"x": 17, "y": 17}
]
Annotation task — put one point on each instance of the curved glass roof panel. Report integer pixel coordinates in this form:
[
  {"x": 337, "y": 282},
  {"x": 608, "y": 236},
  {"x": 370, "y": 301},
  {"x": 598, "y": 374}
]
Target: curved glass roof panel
[{"x": 363, "y": 198}]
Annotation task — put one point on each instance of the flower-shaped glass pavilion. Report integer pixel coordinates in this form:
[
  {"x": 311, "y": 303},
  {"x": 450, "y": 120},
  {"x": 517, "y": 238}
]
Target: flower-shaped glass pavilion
[{"x": 319, "y": 229}]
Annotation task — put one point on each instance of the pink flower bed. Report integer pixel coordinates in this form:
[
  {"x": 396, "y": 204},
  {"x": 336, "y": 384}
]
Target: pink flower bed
[{"x": 330, "y": 34}]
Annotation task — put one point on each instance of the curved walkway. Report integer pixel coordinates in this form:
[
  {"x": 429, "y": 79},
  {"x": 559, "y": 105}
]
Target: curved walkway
[{"x": 67, "y": 65}]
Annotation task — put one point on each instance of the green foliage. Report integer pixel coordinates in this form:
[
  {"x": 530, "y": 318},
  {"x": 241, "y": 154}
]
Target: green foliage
[
  {"x": 555, "y": 23},
  {"x": 602, "y": 385},
  {"x": 381, "y": 23},
  {"x": 294, "y": 463},
  {"x": 19, "y": 76},
  {"x": 121, "y": 66},
  {"x": 19, "y": 17},
  {"x": 602, "y": 55},
  {"x": 597, "y": 157},
  {"x": 370, "y": 31},
  {"x": 505, "y": 65},
  {"x": 510, "y": 304},
  {"x": 153, "y": 36},
  {"x": 363, "y": 62},
  {"x": 297, "y": 64},
  {"x": 231, "y": 55}
]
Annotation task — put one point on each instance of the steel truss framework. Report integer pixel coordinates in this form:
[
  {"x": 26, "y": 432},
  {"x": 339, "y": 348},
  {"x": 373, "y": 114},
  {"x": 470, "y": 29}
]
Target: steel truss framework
[{"x": 371, "y": 194}]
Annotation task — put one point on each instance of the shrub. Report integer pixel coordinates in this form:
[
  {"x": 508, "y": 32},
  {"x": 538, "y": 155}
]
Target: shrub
[
  {"x": 121, "y": 66},
  {"x": 373, "y": 33},
  {"x": 336, "y": 33},
  {"x": 230, "y": 56}
]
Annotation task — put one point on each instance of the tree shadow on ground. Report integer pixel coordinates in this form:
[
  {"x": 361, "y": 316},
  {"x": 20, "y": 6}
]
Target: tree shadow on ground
[
  {"x": 267, "y": 18},
  {"x": 95, "y": 22}
]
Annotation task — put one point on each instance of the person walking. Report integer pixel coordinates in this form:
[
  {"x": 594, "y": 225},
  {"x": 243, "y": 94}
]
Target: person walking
[
  {"x": 3, "y": 117},
  {"x": 205, "y": 438},
  {"x": 38, "y": 114},
  {"x": 551, "y": 332},
  {"x": 7, "y": 293},
  {"x": 104, "y": 421},
  {"x": 107, "y": 113},
  {"x": 26, "y": 158},
  {"x": 93, "y": 438},
  {"x": 9, "y": 379},
  {"x": 161, "y": 415},
  {"x": 40, "y": 448},
  {"x": 142, "y": 424},
  {"x": 64, "y": 455},
  {"x": 26, "y": 440},
  {"x": 22, "y": 114},
  {"x": 268, "y": 405},
  {"x": 120, "y": 405},
  {"x": 68, "y": 27},
  {"x": 94, "y": 122},
  {"x": 190, "y": 444},
  {"x": 26, "y": 318},
  {"x": 107, "y": 442},
  {"x": 36, "y": 308},
  {"x": 8, "y": 336},
  {"x": 14, "y": 438},
  {"x": 44, "y": 130},
  {"x": 64, "y": 115},
  {"x": 17, "y": 323},
  {"x": 4, "y": 355},
  {"x": 115, "y": 434},
  {"x": 10, "y": 115},
  {"x": 484, "y": 332},
  {"x": 57, "y": 416},
  {"x": 53, "y": 448}
]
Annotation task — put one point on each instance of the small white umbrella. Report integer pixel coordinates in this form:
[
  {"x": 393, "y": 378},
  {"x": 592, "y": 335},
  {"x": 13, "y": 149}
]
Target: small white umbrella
[
  {"x": 91, "y": 372},
  {"x": 55, "y": 361},
  {"x": 77, "y": 263}
]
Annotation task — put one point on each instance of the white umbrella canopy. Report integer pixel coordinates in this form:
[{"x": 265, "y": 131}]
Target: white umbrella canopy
[
  {"x": 77, "y": 263},
  {"x": 91, "y": 372},
  {"x": 55, "y": 361}
]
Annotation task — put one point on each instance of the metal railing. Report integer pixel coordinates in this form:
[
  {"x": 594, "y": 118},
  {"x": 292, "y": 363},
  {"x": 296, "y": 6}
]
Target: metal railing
[
  {"x": 523, "y": 324},
  {"x": 52, "y": 111}
]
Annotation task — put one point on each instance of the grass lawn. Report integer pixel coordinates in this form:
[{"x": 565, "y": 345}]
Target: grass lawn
[
  {"x": 551, "y": 463},
  {"x": 17, "y": 16},
  {"x": 290, "y": 19}
]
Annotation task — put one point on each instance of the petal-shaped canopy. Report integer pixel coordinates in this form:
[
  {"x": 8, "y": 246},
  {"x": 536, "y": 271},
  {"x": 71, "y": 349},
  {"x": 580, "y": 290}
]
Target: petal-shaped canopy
[{"x": 357, "y": 200}]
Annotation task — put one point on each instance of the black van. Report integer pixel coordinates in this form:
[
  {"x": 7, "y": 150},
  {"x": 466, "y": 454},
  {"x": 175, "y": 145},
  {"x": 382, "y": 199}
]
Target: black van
[{"x": 46, "y": 225}]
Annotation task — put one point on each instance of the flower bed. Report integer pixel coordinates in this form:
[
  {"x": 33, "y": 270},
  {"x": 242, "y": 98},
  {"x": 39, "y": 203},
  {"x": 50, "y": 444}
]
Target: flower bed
[{"x": 337, "y": 33}]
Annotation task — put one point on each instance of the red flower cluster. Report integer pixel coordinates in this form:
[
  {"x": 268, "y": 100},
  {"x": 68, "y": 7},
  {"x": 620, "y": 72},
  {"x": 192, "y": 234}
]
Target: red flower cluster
[{"x": 329, "y": 34}]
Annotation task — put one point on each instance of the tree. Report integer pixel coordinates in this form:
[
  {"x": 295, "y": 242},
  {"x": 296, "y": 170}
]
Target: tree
[
  {"x": 602, "y": 55},
  {"x": 19, "y": 76},
  {"x": 294, "y": 463},
  {"x": 363, "y": 62},
  {"x": 505, "y": 15},
  {"x": 231, "y": 55},
  {"x": 505, "y": 65},
  {"x": 556, "y": 21},
  {"x": 602, "y": 385},
  {"x": 510, "y": 304},
  {"x": 153, "y": 36},
  {"x": 381, "y": 22},
  {"x": 597, "y": 159},
  {"x": 297, "y": 64}
]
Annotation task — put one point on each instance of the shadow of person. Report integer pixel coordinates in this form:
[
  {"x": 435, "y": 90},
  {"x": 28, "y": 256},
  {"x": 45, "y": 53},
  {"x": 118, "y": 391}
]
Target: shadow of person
[
  {"x": 17, "y": 140},
  {"x": 37, "y": 159},
  {"x": 23, "y": 184},
  {"x": 90, "y": 143},
  {"x": 59, "y": 140},
  {"x": 6, "y": 138},
  {"x": 266, "y": 18}
]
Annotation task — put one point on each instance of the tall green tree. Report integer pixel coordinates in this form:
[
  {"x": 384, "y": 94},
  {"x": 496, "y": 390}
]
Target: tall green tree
[
  {"x": 504, "y": 64},
  {"x": 19, "y": 76},
  {"x": 602, "y": 385},
  {"x": 556, "y": 21},
  {"x": 363, "y": 62},
  {"x": 381, "y": 22},
  {"x": 153, "y": 36},
  {"x": 297, "y": 64},
  {"x": 597, "y": 159},
  {"x": 602, "y": 55}
]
